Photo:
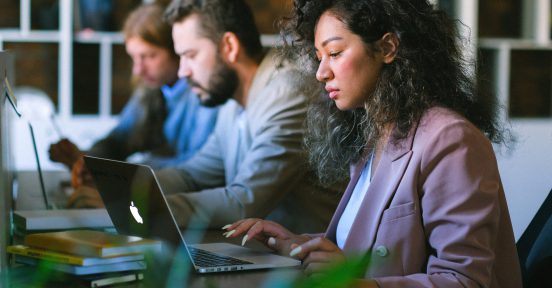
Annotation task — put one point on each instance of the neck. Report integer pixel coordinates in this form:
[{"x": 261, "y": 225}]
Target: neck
[{"x": 246, "y": 69}]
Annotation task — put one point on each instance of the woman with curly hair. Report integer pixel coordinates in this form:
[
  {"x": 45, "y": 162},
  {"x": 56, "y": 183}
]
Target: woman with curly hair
[{"x": 425, "y": 202}]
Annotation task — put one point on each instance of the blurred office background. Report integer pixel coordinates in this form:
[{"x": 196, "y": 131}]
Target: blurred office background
[{"x": 73, "y": 52}]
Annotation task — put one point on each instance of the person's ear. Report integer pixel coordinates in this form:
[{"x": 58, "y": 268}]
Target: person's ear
[
  {"x": 230, "y": 47},
  {"x": 389, "y": 45}
]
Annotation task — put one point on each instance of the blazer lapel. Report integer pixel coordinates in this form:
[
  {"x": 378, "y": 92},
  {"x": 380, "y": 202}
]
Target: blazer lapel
[
  {"x": 357, "y": 170},
  {"x": 388, "y": 174}
]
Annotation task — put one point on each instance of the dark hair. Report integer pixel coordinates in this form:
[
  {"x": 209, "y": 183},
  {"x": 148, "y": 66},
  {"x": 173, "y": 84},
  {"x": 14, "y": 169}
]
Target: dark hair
[
  {"x": 429, "y": 70},
  {"x": 218, "y": 17},
  {"x": 146, "y": 22}
]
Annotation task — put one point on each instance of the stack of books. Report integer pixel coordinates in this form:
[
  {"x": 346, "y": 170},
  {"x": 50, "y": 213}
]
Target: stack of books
[
  {"x": 33, "y": 221},
  {"x": 102, "y": 258}
]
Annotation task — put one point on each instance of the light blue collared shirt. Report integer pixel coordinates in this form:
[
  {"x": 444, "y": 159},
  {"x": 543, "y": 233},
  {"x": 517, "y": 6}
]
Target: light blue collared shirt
[{"x": 187, "y": 125}]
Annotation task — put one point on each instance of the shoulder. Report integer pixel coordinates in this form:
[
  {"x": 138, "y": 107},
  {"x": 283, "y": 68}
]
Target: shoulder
[
  {"x": 442, "y": 131},
  {"x": 284, "y": 79},
  {"x": 439, "y": 121},
  {"x": 280, "y": 97}
]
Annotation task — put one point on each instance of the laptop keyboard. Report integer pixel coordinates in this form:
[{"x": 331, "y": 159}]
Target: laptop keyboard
[{"x": 203, "y": 258}]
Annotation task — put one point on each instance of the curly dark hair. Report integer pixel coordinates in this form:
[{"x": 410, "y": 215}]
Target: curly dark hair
[
  {"x": 429, "y": 70},
  {"x": 218, "y": 17}
]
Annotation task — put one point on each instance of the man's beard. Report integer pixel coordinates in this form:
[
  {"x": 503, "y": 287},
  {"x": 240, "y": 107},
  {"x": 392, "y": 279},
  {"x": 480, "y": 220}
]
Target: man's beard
[{"x": 221, "y": 87}]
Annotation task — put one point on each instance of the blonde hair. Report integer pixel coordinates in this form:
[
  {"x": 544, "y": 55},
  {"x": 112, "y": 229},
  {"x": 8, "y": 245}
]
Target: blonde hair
[{"x": 146, "y": 22}]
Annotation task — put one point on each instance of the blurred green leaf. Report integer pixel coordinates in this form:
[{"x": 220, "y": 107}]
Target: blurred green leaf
[{"x": 342, "y": 274}]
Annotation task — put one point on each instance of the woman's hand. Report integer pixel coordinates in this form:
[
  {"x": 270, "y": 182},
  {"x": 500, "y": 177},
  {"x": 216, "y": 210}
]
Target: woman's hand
[
  {"x": 272, "y": 234},
  {"x": 85, "y": 197},
  {"x": 317, "y": 254}
]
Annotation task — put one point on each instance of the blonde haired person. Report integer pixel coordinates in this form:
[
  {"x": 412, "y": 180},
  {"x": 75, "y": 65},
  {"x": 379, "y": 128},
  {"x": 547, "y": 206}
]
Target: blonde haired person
[
  {"x": 163, "y": 118},
  {"x": 163, "y": 122}
]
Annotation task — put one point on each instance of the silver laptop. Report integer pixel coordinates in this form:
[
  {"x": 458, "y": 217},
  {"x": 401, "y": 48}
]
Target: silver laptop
[{"x": 137, "y": 206}]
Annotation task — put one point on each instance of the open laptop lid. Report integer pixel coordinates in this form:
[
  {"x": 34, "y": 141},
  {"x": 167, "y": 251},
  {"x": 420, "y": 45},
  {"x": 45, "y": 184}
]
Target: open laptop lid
[
  {"x": 134, "y": 201},
  {"x": 138, "y": 207}
]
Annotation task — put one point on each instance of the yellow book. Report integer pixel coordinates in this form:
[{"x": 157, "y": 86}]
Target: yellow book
[
  {"x": 91, "y": 243},
  {"x": 69, "y": 259}
]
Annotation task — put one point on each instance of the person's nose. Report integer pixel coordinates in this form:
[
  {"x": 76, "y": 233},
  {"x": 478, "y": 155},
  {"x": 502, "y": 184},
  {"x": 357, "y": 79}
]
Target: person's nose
[
  {"x": 138, "y": 68},
  {"x": 184, "y": 70},
  {"x": 324, "y": 73}
]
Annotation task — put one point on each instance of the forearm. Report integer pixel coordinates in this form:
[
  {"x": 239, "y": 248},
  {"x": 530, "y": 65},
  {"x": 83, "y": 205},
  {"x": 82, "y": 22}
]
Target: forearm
[
  {"x": 108, "y": 147},
  {"x": 212, "y": 208},
  {"x": 174, "y": 180}
]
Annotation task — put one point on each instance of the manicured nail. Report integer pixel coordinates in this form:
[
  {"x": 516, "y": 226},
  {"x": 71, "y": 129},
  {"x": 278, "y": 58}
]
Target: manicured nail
[
  {"x": 226, "y": 226},
  {"x": 272, "y": 241},
  {"x": 244, "y": 239},
  {"x": 295, "y": 251},
  {"x": 228, "y": 234}
]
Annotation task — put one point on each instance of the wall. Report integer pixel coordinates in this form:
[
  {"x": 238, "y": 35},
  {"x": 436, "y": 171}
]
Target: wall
[
  {"x": 527, "y": 170},
  {"x": 514, "y": 36}
]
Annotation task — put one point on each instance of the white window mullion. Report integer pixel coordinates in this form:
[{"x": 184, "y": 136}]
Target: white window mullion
[
  {"x": 25, "y": 16},
  {"x": 543, "y": 21},
  {"x": 502, "y": 71},
  {"x": 106, "y": 58},
  {"x": 65, "y": 74},
  {"x": 536, "y": 21},
  {"x": 467, "y": 14}
]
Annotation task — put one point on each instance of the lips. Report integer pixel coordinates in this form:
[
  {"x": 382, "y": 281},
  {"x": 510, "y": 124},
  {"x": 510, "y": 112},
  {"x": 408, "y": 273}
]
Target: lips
[{"x": 332, "y": 92}]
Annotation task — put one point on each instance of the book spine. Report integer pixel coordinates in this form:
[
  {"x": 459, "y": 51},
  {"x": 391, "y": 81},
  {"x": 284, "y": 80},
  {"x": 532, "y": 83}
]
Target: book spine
[
  {"x": 45, "y": 255},
  {"x": 63, "y": 245}
]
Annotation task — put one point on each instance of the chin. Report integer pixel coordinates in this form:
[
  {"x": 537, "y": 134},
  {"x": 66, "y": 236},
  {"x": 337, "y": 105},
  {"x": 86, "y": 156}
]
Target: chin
[{"x": 343, "y": 106}]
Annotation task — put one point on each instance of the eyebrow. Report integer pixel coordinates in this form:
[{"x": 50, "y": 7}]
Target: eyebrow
[
  {"x": 330, "y": 40},
  {"x": 186, "y": 51}
]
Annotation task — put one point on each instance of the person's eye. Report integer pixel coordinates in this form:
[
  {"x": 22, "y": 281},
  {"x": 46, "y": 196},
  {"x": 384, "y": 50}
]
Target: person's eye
[
  {"x": 190, "y": 56},
  {"x": 335, "y": 54}
]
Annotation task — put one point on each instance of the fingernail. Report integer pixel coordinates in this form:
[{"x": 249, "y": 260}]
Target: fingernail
[
  {"x": 271, "y": 241},
  {"x": 295, "y": 251},
  {"x": 244, "y": 239},
  {"x": 226, "y": 226},
  {"x": 228, "y": 234}
]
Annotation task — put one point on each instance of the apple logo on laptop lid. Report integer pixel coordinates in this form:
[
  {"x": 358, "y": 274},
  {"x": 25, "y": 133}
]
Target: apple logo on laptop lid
[{"x": 135, "y": 213}]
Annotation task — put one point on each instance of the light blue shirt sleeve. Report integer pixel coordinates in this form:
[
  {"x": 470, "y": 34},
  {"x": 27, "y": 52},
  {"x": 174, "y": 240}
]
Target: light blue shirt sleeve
[{"x": 142, "y": 136}]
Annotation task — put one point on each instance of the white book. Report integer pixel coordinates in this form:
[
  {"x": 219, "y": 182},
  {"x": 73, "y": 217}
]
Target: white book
[{"x": 30, "y": 220}]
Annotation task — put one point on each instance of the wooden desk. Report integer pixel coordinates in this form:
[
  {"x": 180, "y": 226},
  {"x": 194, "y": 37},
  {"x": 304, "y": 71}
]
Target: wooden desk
[{"x": 28, "y": 276}]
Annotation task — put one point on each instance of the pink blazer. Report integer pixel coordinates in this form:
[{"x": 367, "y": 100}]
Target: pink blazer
[{"x": 435, "y": 214}]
